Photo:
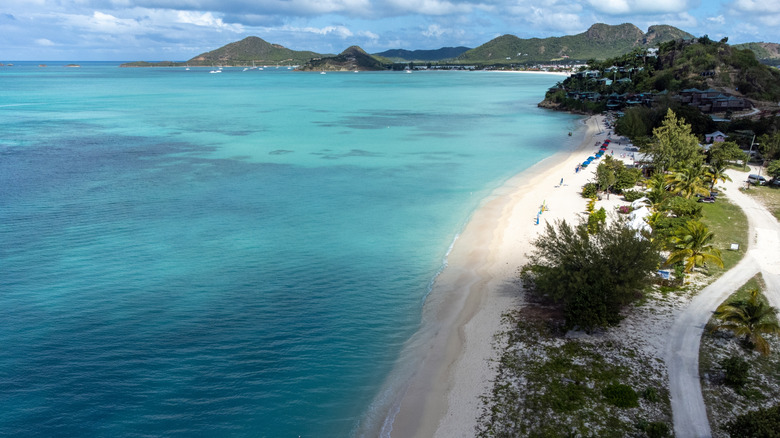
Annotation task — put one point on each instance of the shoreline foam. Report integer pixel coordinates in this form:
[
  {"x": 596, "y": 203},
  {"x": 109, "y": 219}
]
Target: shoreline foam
[{"x": 477, "y": 286}]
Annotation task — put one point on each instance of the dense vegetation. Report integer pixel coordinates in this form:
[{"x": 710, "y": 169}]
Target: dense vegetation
[
  {"x": 592, "y": 275},
  {"x": 242, "y": 53},
  {"x": 400, "y": 55},
  {"x": 601, "y": 41},
  {"x": 354, "y": 58},
  {"x": 679, "y": 65}
]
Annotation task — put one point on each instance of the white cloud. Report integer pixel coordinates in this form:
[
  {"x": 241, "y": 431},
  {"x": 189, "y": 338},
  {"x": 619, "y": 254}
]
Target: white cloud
[
  {"x": 640, "y": 7},
  {"x": 759, "y": 7},
  {"x": 434, "y": 30},
  {"x": 431, "y": 7},
  {"x": 368, "y": 34},
  {"x": 44, "y": 42},
  {"x": 205, "y": 19},
  {"x": 717, "y": 20},
  {"x": 339, "y": 31}
]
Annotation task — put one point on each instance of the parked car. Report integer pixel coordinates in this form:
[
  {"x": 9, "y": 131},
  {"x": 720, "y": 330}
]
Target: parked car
[
  {"x": 757, "y": 180},
  {"x": 707, "y": 200}
]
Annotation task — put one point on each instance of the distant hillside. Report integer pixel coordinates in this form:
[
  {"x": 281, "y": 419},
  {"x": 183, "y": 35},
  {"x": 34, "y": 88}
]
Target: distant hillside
[
  {"x": 401, "y": 55},
  {"x": 253, "y": 49},
  {"x": 709, "y": 75},
  {"x": 767, "y": 53},
  {"x": 354, "y": 58},
  {"x": 601, "y": 41},
  {"x": 242, "y": 53}
]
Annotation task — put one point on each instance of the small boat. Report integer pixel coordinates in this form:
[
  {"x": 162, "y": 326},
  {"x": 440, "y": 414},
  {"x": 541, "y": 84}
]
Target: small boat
[{"x": 322, "y": 72}]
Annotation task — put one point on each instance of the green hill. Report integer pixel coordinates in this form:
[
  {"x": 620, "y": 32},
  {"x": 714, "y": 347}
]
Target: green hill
[
  {"x": 401, "y": 55},
  {"x": 767, "y": 53},
  {"x": 601, "y": 41},
  {"x": 710, "y": 75},
  {"x": 251, "y": 49},
  {"x": 241, "y": 53},
  {"x": 354, "y": 58}
]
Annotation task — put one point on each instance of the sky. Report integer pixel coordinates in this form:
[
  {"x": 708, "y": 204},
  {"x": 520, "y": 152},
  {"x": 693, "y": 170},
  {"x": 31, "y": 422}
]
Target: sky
[{"x": 177, "y": 30}]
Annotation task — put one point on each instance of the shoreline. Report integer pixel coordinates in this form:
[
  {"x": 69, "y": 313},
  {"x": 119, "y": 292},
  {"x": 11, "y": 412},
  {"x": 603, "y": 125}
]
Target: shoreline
[{"x": 478, "y": 285}]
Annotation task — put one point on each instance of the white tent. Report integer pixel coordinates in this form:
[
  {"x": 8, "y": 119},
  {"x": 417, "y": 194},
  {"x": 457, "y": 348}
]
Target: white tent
[
  {"x": 639, "y": 225},
  {"x": 640, "y": 213},
  {"x": 641, "y": 202}
]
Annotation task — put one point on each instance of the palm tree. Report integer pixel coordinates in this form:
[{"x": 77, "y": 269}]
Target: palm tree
[
  {"x": 715, "y": 173},
  {"x": 692, "y": 245},
  {"x": 657, "y": 189},
  {"x": 687, "y": 181},
  {"x": 751, "y": 319}
]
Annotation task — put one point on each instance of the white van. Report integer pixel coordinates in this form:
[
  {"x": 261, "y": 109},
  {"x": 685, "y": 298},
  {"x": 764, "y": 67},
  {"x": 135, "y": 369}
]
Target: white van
[{"x": 756, "y": 179}]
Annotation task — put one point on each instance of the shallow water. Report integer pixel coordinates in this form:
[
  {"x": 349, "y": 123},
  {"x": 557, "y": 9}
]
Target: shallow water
[{"x": 236, "y": 254}]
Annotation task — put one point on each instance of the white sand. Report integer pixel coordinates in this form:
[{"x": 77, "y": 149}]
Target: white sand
[{"x": 480, "y": 283}]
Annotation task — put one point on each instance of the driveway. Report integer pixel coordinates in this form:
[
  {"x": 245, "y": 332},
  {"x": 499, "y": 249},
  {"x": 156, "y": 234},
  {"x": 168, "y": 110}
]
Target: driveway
[{"x": 682, "y": 349}]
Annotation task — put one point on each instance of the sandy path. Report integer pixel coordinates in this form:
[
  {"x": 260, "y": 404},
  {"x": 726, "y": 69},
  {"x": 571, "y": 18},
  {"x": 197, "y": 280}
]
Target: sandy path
[
  {"x": 479, "y": 284},
  {"x": 682, "y": 351}
]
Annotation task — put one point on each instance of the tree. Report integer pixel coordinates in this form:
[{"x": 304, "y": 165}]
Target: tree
[
  {"x": 657, "y": 187},
  {"x": 692, "y": 245},
  {"x": 716, "y": 173},
  {"x": 674, "y": 144},
  {"x": 591, "y": 275},
  {"x": 773, "y": 169},
  {"x": 761, "y": 423},
  {"x": 721, "y": 153},
  {"x": 750, "y": 319},
  {"x": 613, "y": 174},
  {"x": 769, "y": 146},
  {"x": 688, "y": 180},
  {"x": 606, "y": 176}
]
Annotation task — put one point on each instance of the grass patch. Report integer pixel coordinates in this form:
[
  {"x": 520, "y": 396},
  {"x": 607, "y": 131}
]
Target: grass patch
[
  {"x": 730, "y": 225},
  {"x": 724, "y": 400},
  {"x": 549, "y": 385},
  {"x": 768, "y": 196}
]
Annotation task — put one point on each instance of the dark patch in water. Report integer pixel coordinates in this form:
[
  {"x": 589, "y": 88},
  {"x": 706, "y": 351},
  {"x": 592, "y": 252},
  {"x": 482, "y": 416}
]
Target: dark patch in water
[
  {"x": 352, "y": 153},
  {"x": 281, "y": 152}
]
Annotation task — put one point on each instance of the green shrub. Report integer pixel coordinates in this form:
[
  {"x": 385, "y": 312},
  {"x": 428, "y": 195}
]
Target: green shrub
[
  {"x": 653, "y": 429},
  {"x": 651, "y": 394},
  {"x": 632, "y": 195},
  {"x": 620, "y": 395},
  {"x": 737, "y": 371},
  {"x": 596, "y": 220},
  {"x": 590, "y": 190},
  {"x": 763, "y": 423},
  {"x": 682, "y": 208}
]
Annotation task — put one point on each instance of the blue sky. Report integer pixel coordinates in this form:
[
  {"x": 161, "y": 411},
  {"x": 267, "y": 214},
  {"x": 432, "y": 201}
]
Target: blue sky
[{"x": 154, "y": 30}]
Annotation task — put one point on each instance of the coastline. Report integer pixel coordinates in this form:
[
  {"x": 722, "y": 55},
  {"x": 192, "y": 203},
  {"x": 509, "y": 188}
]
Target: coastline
[{"x": 442, "y": 398}]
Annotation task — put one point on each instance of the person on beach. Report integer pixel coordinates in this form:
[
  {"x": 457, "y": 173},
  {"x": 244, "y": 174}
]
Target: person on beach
[{"x": 561, "y": 182}]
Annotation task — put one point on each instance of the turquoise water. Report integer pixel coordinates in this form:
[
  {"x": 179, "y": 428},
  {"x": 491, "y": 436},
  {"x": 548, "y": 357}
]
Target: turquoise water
[{"x": 234, "y": 254}]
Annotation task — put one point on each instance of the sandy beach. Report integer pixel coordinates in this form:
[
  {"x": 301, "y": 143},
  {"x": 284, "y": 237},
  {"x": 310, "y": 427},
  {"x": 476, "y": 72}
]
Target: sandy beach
[{"x": 480, "y": 283}]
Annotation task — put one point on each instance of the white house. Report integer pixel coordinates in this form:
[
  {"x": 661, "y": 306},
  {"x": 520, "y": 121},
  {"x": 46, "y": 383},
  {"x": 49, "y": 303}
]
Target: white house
[{"x": 715, "y": 137}]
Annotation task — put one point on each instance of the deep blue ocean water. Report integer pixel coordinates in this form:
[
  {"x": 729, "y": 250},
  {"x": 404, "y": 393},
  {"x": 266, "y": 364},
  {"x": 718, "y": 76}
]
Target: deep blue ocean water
[{"x": 236, "y": 254}]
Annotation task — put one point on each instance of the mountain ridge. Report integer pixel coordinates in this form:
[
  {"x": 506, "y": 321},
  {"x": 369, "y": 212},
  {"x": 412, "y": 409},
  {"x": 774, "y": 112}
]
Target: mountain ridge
[{"x": 600, "y": 41}]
